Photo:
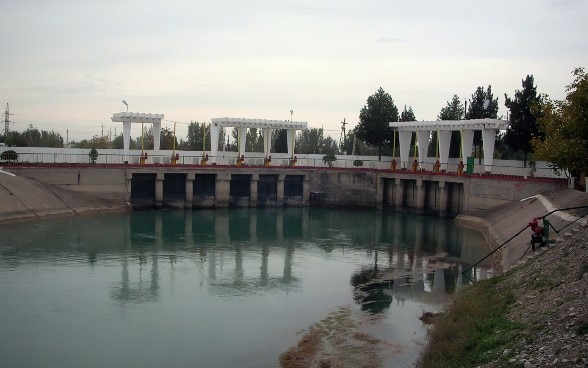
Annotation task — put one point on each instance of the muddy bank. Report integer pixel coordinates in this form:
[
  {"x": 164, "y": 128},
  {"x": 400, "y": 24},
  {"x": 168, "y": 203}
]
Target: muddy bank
[{"x": 27, "y": 199}]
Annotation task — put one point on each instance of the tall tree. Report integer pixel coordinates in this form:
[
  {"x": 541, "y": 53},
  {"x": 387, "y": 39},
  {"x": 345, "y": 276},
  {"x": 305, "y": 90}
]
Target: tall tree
[
  {"x": 312, "y": 140},
  {"x": 453, "y": 111},
  {"x": 483, "y": 105},
  {"x": 280, "y": 142},
  {"x": 564, "y": 128},
  {"x": 374, "y": 117},
  {"x": 524, "y": 110}
]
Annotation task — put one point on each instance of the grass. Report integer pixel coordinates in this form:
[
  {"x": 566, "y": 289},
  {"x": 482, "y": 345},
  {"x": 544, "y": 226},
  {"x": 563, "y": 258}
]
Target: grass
[{"x": 474, "y": 328}]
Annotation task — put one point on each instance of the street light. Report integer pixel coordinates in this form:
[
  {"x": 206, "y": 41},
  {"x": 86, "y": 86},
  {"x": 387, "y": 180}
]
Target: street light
[
  {"x": 291, "y": 113},
  {"x": 125, "y": 102}
]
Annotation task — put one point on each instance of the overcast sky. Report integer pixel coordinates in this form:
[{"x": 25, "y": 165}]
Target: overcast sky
[{"x": 68, "y": 64}]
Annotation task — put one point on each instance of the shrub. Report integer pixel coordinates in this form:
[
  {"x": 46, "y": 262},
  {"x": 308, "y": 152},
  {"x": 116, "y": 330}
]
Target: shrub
[
  {"x": 329, "y": 159},
  {"x": 9, "y": 155},
  {"x": 93, "y": 155},
  {"x": 357, "y": 163}
]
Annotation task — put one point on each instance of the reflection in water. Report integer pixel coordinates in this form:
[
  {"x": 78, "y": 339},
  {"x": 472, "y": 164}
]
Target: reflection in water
[{"x": 230, "y": 287}]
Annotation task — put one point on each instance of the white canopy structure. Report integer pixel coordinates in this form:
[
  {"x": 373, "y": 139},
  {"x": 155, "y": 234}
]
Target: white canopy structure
[
  {"x": 444, "y": 128},
  {"x": 138, "y": 117},
  {"x": 267, "y": 127}
]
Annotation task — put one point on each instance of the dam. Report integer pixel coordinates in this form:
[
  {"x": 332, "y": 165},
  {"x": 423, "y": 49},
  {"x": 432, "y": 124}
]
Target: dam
[{"x": 193, "y": 186}]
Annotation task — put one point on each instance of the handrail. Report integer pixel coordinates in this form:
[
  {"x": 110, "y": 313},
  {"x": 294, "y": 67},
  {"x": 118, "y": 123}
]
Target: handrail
[{"x": 523, "y": 229}]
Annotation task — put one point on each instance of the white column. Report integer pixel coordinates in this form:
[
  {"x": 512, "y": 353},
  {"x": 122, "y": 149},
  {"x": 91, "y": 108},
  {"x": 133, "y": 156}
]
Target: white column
[
  {"x": 404, "y": 138},
  {"x": 214, "y": 129},
  {"x": 467, "y": 142},
  {"x": 291, "y": 136},
  {"x": 423, "y": 144},
  {"x": 444, "y": 139},
  {"x": 242, "y": 133},
  {"x": 126, "y": 135},
  {"x": 156, "y": 135},
  {"x": 267, "y": 144},
  {"x": 488, "y": 139}
]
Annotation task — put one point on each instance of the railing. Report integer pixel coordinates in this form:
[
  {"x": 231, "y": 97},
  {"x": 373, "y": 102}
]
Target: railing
[
  {"x": 546, "y": 234},
  {"x": 41, "y": 156}
]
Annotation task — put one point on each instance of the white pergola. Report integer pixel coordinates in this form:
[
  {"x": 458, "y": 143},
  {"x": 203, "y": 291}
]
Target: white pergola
[
  {"x": 267, "y": 126},
  {"x": 444, "y": 128},
  {"x": 138, "y": 117}
]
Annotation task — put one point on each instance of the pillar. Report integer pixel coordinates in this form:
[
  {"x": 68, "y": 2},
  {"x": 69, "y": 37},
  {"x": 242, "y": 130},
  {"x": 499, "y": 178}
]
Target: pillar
[
  {"x": 222, "y": 190},
  {"x": 467, "y": 142},
  {"x": 423, "y": 137},
  {"x": 159, "y": 189},
  {"x": 305, "y": 191},
  {"x": 280, "y": 191},
  {"x": 267, "y": 142},
  {"x": 189, "y": 190},
  {"x": 379, "y": 191},
  {"x": 420, "y": 197},
  {"x": 444, "y": 139},
  {"x": 488, "y": 140},
  {"x": 214, "y": 130},
  {"x": 291, "y": 135},
  {"x": 156, "y": 135},
  {"x": 128, "y": 185},
  {"x": 126, "y": 135},
  {"x": 404, "y": 138},
  {"x": 253, "y": 190},
  {"x": 443, "y": 199},
  {"x": 242, "y": 135},
  {"x": 399, "y": 194}
]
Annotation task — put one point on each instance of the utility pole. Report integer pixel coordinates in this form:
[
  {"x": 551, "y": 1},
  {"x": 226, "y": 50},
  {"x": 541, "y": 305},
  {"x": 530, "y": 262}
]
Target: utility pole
[
  {"x": 102, "y": 134},
  {"x": 7, "y": 121},
  {"x": 342, "y": 137},
  {"x": 67, "y": 138}
]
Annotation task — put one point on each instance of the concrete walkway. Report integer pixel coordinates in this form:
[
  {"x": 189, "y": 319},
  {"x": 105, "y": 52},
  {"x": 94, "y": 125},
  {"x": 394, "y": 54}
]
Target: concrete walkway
[
  {"x": 502, "y": 222},
  {"x": 22, "y": 198}
]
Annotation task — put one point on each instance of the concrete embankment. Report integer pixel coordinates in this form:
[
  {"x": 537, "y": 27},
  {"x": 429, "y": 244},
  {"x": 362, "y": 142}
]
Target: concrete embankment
[
  {"x": 501, "y": 223},
  {"x": 22, "y": 198}
]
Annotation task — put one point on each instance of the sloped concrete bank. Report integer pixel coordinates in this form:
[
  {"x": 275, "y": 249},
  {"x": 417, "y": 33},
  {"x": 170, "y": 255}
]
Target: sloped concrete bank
[
  {"x": 501, "y": 223},
  {"x": 25, "y": 199}
]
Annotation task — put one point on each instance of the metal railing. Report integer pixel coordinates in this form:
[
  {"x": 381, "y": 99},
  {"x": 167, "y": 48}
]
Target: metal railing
[
  {"x": 38, "y": 156},
  {"x": 547, "y": 240}
]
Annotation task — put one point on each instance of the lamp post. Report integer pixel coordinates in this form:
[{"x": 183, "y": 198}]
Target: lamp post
[{"x": 125, "y": 102}]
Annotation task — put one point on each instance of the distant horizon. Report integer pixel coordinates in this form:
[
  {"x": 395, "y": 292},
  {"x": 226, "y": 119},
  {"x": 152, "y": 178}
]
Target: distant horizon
[{"x": 69, "y": 66}]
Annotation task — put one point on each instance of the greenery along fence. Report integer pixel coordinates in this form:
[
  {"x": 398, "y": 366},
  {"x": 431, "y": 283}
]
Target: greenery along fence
[{"x": 117, "y": 157}]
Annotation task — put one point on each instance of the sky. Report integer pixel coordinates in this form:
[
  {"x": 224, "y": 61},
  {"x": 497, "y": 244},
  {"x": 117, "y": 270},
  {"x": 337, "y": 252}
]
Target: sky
[{"x": 67, "y": 65}]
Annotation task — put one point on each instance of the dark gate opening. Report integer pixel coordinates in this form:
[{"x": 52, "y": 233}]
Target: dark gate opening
[
  {"x": 293, "y": 190},
  {"x": 143, "y": 190},
  {"x": 240, "y": 191},
  {"x": 267, "y": 190},
  {"x": 174, "y": 190}
]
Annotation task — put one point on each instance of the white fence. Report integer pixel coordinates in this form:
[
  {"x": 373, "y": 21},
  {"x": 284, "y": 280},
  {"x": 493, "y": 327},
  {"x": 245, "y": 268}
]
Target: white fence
[{"x": 41, "y": 155}]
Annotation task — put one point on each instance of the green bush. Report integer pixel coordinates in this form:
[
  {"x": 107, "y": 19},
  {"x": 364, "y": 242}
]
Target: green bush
[
  {"x": 9, "y": 155},
  {"x": 329, "y": 159},
  {"x": 357, "y": 163},
  {"x": 93, "y": 155}
]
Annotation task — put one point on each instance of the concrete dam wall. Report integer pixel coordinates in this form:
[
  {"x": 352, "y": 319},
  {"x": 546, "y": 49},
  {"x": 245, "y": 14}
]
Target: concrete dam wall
[{"x": 210, "y": 187}]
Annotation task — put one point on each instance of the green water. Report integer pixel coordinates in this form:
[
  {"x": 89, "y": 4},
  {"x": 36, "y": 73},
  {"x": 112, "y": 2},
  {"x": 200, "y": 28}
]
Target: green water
[{"x": 224, "y": 288}]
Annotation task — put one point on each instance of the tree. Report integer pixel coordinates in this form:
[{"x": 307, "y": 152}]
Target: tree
[
  {"x": 166, "y": 139},
  {"x": 407, "y": 115},
  {"x": 361, "y": 148},
  {"x": 453, "y": 111},
  {"x": 374, "y": 117},
  {"x": 563, "y": 128},
  {"x": 280, "y": 142},
  {"x": 524, "y": 110},
  {"x": 483, "y": 105}
]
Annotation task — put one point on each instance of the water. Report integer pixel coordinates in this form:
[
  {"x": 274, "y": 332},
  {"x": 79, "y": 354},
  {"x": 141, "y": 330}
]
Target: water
[{"x": 217, "y": 288}]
